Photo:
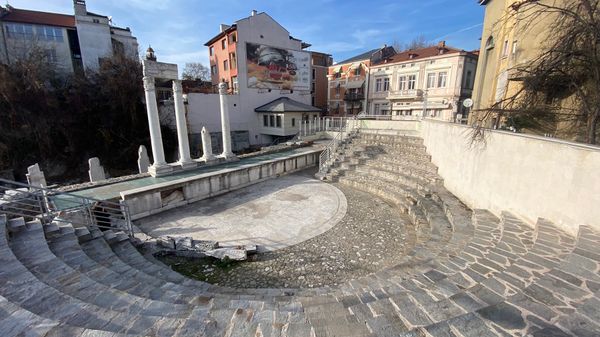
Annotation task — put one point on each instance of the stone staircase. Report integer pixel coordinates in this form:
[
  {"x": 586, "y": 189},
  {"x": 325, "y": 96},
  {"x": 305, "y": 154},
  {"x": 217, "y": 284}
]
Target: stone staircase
[{"x": 470, "y": 273}]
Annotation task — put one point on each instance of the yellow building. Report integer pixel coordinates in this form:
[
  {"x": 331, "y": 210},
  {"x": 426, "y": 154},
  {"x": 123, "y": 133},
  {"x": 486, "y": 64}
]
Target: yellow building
[{"x": 512, "y": 37}]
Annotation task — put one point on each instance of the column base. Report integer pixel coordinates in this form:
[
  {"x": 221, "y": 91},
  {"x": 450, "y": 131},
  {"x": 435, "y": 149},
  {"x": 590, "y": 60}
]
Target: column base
[
  {"x": 187, "y": 165},
  {"x": 228, "y": 156},
  {"x": 210, "y": 159},
  {"x": 159, "y": 170}
]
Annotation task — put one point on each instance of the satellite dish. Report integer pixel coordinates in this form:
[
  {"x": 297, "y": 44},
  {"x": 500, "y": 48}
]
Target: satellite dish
[{"x": 467, "y": 103}]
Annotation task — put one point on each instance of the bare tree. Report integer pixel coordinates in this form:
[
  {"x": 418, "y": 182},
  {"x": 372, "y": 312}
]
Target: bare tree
[
  {"x": 196, "y": 71},
  {"x": 560, "y": 87},
  {"x": 417, "y": 42}
]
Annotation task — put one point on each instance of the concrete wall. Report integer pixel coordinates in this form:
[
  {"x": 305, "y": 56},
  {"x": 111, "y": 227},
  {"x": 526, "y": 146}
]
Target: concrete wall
[
  {"x": 530, "y": 176},
  {"x": 94, "y": 40},
  {"x": 161, "y": 197}
]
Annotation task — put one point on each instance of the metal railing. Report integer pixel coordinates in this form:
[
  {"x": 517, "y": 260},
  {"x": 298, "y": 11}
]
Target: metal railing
[
  {"x": 47, "y": 205},
  {"x": 344, "y": 127}
]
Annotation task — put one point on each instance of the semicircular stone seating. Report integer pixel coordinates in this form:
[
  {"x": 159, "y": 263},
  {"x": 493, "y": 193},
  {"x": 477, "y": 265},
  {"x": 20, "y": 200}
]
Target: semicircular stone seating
[{"x": 470, "y": 273}]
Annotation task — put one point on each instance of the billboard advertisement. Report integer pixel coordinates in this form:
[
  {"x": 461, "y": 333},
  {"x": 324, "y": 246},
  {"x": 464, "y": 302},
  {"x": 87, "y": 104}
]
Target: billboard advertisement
[{"x": 276, "y": 68}]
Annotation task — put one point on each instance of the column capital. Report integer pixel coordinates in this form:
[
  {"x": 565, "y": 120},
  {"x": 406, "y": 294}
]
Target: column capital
[
  {"x": 222, "y": 88},
  {"x": 177, "y": 88},
  {"x": 149, "y": 83}
]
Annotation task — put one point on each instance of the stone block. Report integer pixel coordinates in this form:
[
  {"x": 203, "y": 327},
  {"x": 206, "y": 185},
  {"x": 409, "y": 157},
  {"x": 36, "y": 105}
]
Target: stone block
[
  {"x": 143, "y": 159},
  {"x": 96, "y": 170},
  {"x": 35, "y": 176},
  {"x": 231, "y": 253}
]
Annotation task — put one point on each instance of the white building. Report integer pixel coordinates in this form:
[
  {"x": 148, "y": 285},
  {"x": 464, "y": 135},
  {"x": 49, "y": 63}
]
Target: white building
[
  {"x": 435, "y": 80},
  {"x": 70, "y": 42},
  {"x": 261, "y": 63}
]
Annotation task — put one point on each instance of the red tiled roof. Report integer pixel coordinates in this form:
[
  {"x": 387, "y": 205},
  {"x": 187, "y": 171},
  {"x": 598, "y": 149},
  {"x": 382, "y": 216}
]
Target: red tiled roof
[
  {"x": 419, "y": 54},
  {"x": 39, "y": 18}
]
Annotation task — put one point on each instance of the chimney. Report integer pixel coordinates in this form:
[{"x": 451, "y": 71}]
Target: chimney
[
  {"x": 80, "y": 7},
  {"x": 224, "y": 27},
  {"x": 253, "y": 13},
  {"x": 442, "y": 47}
]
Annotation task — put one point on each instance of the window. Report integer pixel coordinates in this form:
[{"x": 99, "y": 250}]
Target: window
[
  {"x": 293, "y": 121},
  {"x": 468, "y": 80},
  {"x": 46, "y": 33},
  {"x": 223, "y": 44},
  {"x": 19, "y": 31},
  {"x": 386, "y": 84},
  {"x": 378, "y": 85},
  {"x": 514, "y": 47},
  {"x": 265, "y": 120},
  {"x": 312, "y": 87},
  {"x": 211, "y": 50},
  {"x": 376, "y": 108},
  {"x": 232, "y": 38},
  {"x": 442, "y": 79},
  {"x": 412, "y": 82},
  {"x": 402, "y": 83},
  {"x": 278, "y": 119},
  {"x": 505, "y": 49},
  {"x": 337, "y": 75},
  {"x": 234, "y": 81},
  {"x": 50, "y": 55},
  {"x": 489, "y": 44},
  {"x": 357, "y": 71},
  {"x": 314, "y": 73},
  {"x": 226, "y": 65},
  {"x": 213, "y": 69},
  {"x": 337, "y": 89},
  {"x": 430, "y": 80},
  {"x": 271, "y": 121},
  {"x": 96, "y": 20},
  {"x": 232, "y": 60}
]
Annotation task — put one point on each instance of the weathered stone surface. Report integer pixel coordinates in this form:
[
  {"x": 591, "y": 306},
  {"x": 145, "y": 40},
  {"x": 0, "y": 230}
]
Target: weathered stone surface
[
  {"x": 232, "y": 254},
  {"x": 35, "y": 176},
  {"x": 143, "y": 160},
  {"x": 96, "y": 171}
]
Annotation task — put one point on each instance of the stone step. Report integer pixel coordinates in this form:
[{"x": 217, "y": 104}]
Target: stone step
[{"x": 54, "y": 272}]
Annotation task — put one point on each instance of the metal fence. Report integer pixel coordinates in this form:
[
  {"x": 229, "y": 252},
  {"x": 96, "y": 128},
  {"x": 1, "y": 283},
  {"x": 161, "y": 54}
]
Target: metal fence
[{"x": 47, "y": 205}]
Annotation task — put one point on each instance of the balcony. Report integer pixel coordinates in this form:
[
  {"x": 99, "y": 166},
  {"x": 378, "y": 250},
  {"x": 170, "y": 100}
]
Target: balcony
[
  {"x": 405, "y": 94},
  {"x": 354, "y": 96}
]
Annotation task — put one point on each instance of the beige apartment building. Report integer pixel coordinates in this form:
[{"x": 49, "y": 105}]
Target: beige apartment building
[{"x": 431, "y": 82}]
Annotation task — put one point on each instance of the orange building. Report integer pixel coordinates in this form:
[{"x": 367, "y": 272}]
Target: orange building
[
  {"x": 223, "y": 58},
  {"x": 348, "y": 82},
  {"x": 320, "y": 68}
]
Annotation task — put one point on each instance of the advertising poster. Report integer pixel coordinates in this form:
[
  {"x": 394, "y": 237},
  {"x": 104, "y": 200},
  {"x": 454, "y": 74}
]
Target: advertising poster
[{"x": 276, "y": 68}]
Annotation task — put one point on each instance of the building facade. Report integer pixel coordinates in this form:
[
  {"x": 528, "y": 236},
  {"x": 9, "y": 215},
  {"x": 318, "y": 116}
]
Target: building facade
[
  {"x": 261, "y": 63},
  {"x": 72, "y": 43},
  {"x": 346, "y": 85},
  {"x": 320, "y": 68},
  {"x": 431, "y": 82},
  {"x": 510, "y": 40}
]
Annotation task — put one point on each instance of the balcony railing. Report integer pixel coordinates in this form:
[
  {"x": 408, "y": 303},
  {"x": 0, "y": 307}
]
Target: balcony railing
[
  {"x": 413, "y": 93},
  {"x": 354, "y": 96}
]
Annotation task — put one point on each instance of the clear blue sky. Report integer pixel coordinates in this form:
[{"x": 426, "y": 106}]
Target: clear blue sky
[{"x": 178, "y": 29}]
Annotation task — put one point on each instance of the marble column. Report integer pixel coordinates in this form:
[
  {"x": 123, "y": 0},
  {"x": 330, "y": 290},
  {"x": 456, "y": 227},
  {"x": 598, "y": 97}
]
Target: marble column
[
  {"x": 159, "y": 166},
  {"x": 207, "y": 155},
  {"x": 185, "y": 160},
  {"x": 225, "y": 127}
]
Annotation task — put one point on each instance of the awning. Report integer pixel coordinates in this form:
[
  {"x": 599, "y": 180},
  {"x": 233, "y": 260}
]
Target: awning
[
  {"x": 337, "y": 70},
  {"x": 355, "y": 65},
  {"x": 355, "y": 84}
]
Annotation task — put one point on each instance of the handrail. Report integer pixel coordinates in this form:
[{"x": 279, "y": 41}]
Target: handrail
[
  {"x": 48, "y": 205},
  {"x": 328, "y": 155}
]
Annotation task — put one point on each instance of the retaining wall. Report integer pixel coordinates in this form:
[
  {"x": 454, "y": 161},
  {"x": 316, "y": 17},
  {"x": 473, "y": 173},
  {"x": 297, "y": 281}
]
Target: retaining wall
[
  {"x": 157, "y": 198},
  {"x": 530, "y": 176}
]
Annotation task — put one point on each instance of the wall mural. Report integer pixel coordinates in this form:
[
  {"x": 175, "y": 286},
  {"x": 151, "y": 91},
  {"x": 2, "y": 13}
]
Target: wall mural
[{"x": 276, "y": 68}]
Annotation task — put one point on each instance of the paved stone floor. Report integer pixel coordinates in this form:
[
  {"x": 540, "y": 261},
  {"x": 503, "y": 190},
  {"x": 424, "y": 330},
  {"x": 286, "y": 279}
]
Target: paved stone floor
[
  {"x": 273, "y": 214},
  {"x": 372, "y": 236}
]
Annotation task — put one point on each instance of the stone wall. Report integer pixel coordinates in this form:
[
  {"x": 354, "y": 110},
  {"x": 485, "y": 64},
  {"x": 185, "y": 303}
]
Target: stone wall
[
  {"x": 161, "y": 197},
  {"x": 528, "y": 175}
]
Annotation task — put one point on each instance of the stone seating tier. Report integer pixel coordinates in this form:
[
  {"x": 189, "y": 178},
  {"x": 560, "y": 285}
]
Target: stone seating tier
[{"x": 469, "y": 273}]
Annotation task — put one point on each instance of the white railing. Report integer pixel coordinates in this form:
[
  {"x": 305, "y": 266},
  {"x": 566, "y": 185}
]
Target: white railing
[{"x": 344, "y": 127}]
